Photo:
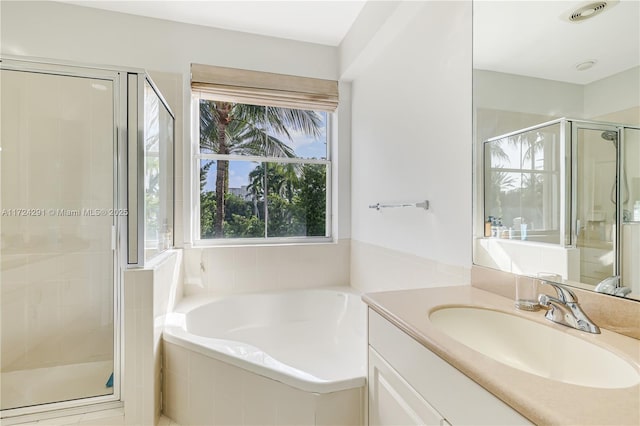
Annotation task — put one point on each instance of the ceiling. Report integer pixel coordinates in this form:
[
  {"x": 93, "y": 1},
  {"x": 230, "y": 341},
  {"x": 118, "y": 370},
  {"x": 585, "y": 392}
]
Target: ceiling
[
  {"x": 535, "y": 38},
  {"x": 322, "y": 22}
]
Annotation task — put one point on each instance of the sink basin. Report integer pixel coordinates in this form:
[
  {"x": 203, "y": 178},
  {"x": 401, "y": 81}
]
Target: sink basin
[{"x": 535, "y": 348}]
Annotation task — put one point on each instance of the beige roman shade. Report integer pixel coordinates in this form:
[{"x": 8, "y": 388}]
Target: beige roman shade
[{"x": 263, "y": 88}]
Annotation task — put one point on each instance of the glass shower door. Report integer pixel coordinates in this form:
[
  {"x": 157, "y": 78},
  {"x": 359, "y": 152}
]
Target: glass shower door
[
  {"x": 57, "y": 259},
  {"x": 595, "y": 170},
  {"x": 158, "y": 174}
]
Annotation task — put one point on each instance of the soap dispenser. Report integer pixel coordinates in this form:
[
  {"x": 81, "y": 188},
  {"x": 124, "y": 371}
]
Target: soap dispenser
[
  {"x": 165, "y": 238},
  {"x": 487, "y": 227}
]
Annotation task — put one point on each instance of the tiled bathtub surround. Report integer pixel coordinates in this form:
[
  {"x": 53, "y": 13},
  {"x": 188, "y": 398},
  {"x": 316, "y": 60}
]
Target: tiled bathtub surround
[
  {"x": 202, "y": 391},
  {"x": 375, "y": 268},
  {"x": 227, "y": 270},
  {"x": 285, "y": 357},
  {"x": 148, "y": 295}
]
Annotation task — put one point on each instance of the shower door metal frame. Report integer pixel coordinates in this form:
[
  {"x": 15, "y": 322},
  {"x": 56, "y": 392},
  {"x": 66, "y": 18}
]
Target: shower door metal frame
[
  {"x": 619, "y": 178},
  {"x": 118, "y": 78}
]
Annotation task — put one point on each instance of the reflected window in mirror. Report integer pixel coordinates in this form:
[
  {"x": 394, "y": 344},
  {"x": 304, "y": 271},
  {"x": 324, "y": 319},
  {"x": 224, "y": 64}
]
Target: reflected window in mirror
[{"x": 522, "y": 185}]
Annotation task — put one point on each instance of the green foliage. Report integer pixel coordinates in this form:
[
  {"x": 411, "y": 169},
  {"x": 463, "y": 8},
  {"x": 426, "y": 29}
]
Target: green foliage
[
  {"x": 235, "y": 205},
  {"x": 207, "y": 213},
  {"x": 244, "y": 227},
  {"x": 284, "y": 217},
  {"x": 296, "y": 204},
  {"x": 312, "y": 195}
]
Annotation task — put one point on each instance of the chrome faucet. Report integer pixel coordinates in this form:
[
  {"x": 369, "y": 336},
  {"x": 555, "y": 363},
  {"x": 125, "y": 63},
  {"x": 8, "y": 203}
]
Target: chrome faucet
[
  {"x": 565, "y": 309},
  {"x": 611, "y": 285}
]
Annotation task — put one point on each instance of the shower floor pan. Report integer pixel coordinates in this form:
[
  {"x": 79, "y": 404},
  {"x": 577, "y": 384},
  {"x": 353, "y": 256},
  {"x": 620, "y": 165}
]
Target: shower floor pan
[{"x": 22, "y": 388}]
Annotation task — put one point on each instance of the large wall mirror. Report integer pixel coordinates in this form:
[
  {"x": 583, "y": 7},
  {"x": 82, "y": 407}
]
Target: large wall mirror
[{"x": 556, "y": 93}]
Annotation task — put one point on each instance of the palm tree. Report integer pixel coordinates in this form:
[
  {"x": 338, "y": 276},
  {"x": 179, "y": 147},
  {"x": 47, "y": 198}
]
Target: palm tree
[
  {"x": 233, "y": 128},
  {"x": 281, "y": 180},
  {"x": 528, "y": 143},
  {"x": 256, "y": 186}
]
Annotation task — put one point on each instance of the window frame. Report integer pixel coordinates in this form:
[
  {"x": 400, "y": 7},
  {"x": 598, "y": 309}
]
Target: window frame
[{"x": 196, "y": 156}]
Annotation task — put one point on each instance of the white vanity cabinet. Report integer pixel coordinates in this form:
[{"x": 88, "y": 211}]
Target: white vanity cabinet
[
  {"x": 393, "y": 402},
  {"x": 410, "y": 385}
]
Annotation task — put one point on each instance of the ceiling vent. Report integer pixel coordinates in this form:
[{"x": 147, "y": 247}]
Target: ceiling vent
[{"x": 589, "y": 11}]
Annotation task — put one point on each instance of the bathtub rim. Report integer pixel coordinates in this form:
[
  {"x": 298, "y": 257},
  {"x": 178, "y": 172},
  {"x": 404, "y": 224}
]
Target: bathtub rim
[
  {"x": 174, "y": 332},
  {"x": 189, "y": 303}
]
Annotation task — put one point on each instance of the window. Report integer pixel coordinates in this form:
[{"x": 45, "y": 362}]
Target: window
[
  {"x": 264, "y": 168},
  {"x": 523, "y": 184}
]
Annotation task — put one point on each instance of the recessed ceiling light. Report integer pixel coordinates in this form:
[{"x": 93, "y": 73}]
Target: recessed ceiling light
[{"x": 583, "y": 66}]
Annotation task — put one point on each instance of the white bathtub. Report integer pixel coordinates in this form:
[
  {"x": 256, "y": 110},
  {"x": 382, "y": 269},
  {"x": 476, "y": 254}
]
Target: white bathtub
[{"x": 312, "y": 340}]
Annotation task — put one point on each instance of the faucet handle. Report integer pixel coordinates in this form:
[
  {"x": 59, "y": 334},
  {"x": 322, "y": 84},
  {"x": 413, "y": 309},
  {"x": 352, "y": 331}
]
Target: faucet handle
[{"x": 564, "y": 294}]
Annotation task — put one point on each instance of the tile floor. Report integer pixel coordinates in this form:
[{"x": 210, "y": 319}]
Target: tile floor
[{"x": 98, "y": 418}]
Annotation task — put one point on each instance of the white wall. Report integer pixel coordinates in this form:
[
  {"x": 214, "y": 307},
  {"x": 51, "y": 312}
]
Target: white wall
[
  {"x": 517, "y": 93},
  {"x": 411, "y": 140},
  {"x": 615, "y": 93}
]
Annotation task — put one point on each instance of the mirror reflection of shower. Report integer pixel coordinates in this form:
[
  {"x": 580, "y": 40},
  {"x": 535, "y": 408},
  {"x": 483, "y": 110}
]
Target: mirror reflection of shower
[
  {"x": 612, "y": 136},
  {"x": 590, "y": 210}
]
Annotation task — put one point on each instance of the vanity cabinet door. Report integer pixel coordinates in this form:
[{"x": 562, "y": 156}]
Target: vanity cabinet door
[
  {"x": 393, "y": 402},
  {"x": 404, "y": 375}
]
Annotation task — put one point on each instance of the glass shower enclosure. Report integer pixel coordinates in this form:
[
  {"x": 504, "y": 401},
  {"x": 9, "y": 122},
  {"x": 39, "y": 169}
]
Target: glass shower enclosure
[
  {"x": 606, "y": 184},
  {"x": 86, "y": 155},
  {"x": 573, "y": 183}
]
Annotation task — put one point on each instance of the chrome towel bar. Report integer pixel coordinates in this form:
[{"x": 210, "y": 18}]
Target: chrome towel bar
[{"x": 423, "y": 205}]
